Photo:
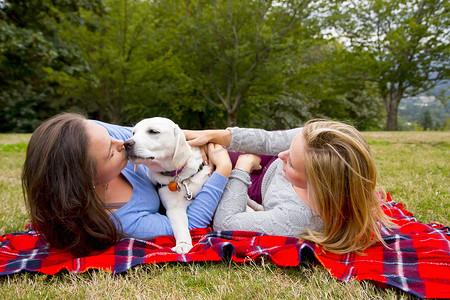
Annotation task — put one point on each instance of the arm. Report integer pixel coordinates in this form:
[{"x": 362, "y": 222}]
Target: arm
[
  {"x": 247, "y": 140},
  {"x": 197, "y": 138},
  {"x": 259, "y": 141},
  {"x": 287, "y": 217},
  {"x": 141, "y": 219},
  {"x": 202, "y": 209},
  {"x": 200, "y": 212},
  {"x": 231, "y": 210},
  {"x": 143, "y": 224},
  {"x": 236, "y": 197},
  {"x": 231, "y": 215}
]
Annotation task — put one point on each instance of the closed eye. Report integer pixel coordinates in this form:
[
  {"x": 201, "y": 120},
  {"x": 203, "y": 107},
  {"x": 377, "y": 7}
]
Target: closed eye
[{"x": 152, "y": 131}]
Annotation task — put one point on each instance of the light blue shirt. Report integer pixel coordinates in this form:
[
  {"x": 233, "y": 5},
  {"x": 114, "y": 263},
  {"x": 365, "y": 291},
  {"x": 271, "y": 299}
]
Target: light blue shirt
[{"x": 140, "y": 218}]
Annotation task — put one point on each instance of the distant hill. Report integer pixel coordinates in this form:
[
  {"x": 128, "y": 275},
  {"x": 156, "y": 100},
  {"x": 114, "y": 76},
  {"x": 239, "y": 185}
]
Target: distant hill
[
  {"x": 442, "y": 86},
  {"x": 412, "y": 109}
]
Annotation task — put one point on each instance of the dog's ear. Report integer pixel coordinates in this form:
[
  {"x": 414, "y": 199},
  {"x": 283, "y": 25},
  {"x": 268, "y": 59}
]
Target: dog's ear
[{"x": 182, "y": 149}]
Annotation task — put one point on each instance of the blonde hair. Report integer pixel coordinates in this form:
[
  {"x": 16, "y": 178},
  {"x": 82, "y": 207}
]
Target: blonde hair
[{"x": 342, "y": 182}]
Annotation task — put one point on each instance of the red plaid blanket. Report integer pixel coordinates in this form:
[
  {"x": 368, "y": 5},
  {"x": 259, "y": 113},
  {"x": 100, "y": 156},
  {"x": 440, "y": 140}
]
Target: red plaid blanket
[{"x": 418, "y": 261}]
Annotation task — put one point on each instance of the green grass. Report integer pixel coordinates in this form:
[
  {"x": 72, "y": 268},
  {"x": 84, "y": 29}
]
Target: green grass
[{"x": 413, "y": 166}]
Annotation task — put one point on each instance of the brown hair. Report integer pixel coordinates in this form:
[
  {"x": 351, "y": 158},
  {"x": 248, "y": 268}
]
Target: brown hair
[
  {"x": 342, "y": 182},
  {"x": 57, "y": 182}
]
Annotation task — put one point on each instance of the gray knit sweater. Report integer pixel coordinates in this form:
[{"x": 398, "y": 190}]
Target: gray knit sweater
[{"x": 284, "y": 214}]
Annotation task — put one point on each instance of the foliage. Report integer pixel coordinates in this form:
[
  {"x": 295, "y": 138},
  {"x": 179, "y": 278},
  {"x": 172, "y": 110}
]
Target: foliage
[
  {"x": 407, "y": 42},
  {"x": 238, "y": 49},
  {"x": 204, "y": 64},
  {"x": 30, "y": 42},
  {"x": 335, "y": 78},
  {"x": 427, "y": 121}
]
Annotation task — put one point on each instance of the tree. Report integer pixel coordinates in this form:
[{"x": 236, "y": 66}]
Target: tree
[
  {"x": 408, "y": 41},
  {"x": 133, "y": 70},
  {"x": 236, "y": 50},
  {"x": 29, "y": 44},
  {"x": 427, "y": 120},
  {"x": 112, "y": 45},
  {"x": 334, "y": 80}
]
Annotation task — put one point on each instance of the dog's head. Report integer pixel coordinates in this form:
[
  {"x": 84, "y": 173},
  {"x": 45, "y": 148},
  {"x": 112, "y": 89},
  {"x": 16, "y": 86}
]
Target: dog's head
[{"x": 159, "y": 144}]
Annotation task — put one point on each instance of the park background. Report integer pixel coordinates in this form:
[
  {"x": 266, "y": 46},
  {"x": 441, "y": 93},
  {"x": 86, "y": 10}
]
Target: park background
[
  {"x": 377, "y": 64},
  {"x": 204, "y": 64}
]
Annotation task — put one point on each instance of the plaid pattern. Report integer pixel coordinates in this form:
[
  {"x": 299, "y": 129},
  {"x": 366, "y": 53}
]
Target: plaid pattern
[{"x": 418, "y": 261}]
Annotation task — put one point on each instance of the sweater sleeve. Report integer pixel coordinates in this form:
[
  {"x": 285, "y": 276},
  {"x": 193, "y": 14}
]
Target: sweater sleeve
[
  {"x": 231, "y": 209},
  {"x": 286, "y": 219},
  {"x": 260, "y": 141}
]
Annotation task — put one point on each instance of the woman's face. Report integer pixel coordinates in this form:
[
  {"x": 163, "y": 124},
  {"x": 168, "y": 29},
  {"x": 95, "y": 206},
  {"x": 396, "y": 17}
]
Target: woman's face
[
  {"x": 108, "y": 153},
  {"x": 293, "y": 162}
]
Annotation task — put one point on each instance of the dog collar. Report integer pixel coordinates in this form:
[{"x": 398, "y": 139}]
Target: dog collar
[
  {"x": 176, "y": 172},
  {"x": 172, "y": 173},
  {"x": 174, "y": 186}
]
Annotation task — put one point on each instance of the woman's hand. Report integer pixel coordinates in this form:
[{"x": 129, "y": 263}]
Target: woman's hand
[
  {"x": 219, "y": 159},
  {"x": 197, "y": 138},
  {"x": 248, "y": 162}
]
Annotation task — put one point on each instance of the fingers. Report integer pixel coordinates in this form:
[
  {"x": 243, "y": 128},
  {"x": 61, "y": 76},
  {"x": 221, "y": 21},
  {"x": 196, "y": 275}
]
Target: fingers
[
  {"x": 211, "y": 151},
  {"x": 219, "y": 158},
  {"x": 214, "y": 148},
  {"x": 193, "y": 138},
  {"x": 211, "y": 161},
  {"x": 257, "y": 163},
  {"x": 249, "y": 162},
  {"x": 203, "y": 151},
  {"x": 189, "y": 134},
  {"x": 215, "y": 152},
  {"x": 196, "y": 142}
]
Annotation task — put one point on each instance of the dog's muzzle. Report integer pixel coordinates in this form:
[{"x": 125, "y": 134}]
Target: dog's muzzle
[
  {"x": 129, "y": 144},
  {"x": 130, "y": 153}
]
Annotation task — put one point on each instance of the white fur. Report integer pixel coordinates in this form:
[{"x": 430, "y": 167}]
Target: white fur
[{"x": 159, "y": 144}]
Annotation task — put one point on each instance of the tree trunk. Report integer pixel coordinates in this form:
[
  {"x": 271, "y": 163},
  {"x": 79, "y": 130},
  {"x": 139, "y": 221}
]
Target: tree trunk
[
  {"x": 232, "y": 118},
  {"x": 392, "y": 112},
  {"x": 233, "y": 109}
]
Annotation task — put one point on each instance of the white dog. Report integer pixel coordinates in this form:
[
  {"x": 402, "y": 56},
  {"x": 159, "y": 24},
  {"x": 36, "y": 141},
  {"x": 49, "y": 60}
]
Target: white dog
[{"x": 174, "y": 166}]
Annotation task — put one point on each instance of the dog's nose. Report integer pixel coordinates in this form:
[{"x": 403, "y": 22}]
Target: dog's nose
[{"x": 129, "y": 144}]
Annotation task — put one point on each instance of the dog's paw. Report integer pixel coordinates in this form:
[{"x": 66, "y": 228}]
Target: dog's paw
[{"x": 182, "y": 248}]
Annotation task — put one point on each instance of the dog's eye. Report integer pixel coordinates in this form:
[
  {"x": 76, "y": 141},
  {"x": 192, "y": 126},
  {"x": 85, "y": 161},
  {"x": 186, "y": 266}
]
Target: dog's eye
[{"x": 152, "y": 131}]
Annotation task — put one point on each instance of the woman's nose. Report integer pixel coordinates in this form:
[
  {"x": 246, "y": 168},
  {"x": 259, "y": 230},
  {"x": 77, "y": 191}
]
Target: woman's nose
[
  {"x": 282, "y": 155},
  {"x": 119, "y": 145}
]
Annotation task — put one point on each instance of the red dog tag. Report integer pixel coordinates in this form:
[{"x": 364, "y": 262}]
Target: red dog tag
[{"x": 173, "y": 186}]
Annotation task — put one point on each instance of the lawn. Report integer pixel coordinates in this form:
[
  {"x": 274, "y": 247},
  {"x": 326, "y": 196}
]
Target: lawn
[{"x": 413, "y": 167}]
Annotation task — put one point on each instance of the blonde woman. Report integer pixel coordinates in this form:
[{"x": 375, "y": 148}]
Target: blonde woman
[{"x": 322, "y": 187}]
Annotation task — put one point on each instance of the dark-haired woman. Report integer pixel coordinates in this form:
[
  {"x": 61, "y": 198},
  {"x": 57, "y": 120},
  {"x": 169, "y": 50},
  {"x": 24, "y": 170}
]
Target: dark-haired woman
[{"x": 82, "y": 195}]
